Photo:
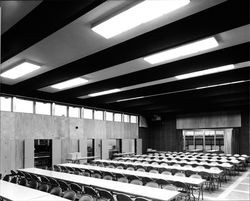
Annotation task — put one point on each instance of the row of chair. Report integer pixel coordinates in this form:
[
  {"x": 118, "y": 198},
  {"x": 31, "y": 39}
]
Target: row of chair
[
  {"x": 68, "y": 190},
  {"x": 160, "y": 183}
]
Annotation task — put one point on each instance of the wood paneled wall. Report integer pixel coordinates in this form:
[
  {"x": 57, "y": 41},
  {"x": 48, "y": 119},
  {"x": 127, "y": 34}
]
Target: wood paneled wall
[
  {"x": 15, "y": 128},
  {"x": 167, "y": 133},
  {"x": 210, "y": 120}
]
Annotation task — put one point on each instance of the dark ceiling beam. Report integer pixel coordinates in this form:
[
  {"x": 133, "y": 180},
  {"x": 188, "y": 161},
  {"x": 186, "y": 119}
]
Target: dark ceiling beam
[
  {"x": 230, "y": 55},
  {"x": 45, "y": 19},
  {"x": 239, "y": 106},
  {"x": 187, "y": 102},
  {"x": 213, "y": 79},
  {"x": 199, "y": 25},
  {"x": 208, "y": 93}
]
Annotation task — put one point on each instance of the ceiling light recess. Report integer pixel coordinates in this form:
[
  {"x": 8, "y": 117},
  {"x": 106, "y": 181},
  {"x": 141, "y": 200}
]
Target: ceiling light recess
[
  {"x": 182, "y": 50},
  {"x": 20, "y": 70},
  {"x": 70, "y": 83},
  {"x": 205, "y": 72},
  {"x": 137, "y": 15},
  {"x": 104, "y": 92}
]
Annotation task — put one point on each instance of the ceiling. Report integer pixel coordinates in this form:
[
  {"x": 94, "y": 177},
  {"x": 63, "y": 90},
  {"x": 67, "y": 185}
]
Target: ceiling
[{"x": 58, "y": 36}]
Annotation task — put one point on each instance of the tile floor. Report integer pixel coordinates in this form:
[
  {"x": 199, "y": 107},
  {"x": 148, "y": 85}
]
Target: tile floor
[{"x": 237, "y": 189}]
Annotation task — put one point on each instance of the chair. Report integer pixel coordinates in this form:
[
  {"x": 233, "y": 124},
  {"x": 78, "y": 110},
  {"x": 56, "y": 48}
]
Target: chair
[
  {"x": 119, "y": 167},
  {"x": 189, "y": 172},
  {"x": 183, "y": 189},
  {"x": 87, "y": 173},
  {"x": 209, "y": 181},
  {"x": 141, "y": 199},
  {"x": 77, "y": 188},
  {"x": 176, "y": 165},
  {"x": 90, "y": 191},
  {"x": 14, "y": 180},
  {"x": 105, "y": 195},
  {"x": 166, "y": 173},
  {"x": 146, "y": 180},
  {"x": 64, "y": 169},
  {"x": 70, "y": 170},
  {"x": 108, "y": 176},
  {"x": 86, "y": 198},
  {"x": 132, "y": 177},
  {"x": 131, "y": 168},
  {"x": 44, "y": 188},
  {"x": 53, "y": 183},
  {"x": 179, "y": 174},
  {"x": 22, "y": 182},
  {"x": 152, "y": 184},
  {"x": 111, "y": 166},
  {"x": 170, "y": 187},
  {"x": 70, "y": 195},
  {"x": 44, "y": 180},
  {"x": 33, "y": 184},
  {"x": 123, "y": 180},
  {"x": 96, "y": 175},
  {"x": 64, "y": 186},
  {"x": 34, "y": 177},
  {"x": 123, "y": 197},
  {"x": 78, "y": 171},
  {"x": 56, "y": 191},
  {"x": 196, "y": 188},
  {"x": 137, "y": 182},
  {"x": 57, "y": 168},
  {"x": 6, "y": 178},
  {"x": 141, "y": 170},
  {"x": 13, "y": 173},
  {"x": 154, "y": 171}
]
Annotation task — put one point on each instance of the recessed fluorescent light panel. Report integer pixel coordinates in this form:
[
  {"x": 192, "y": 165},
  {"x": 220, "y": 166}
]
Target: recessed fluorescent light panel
[
  {"x": 223, "y": 84},
  {"x": 104, "y": 92},
  {"x": 20, "y": 70},
  {"x": 183, "y": 50},
  {"x": 141, "y": 13},
  {"x": 70, "y": 83},
  {"x": 205, "y": 72},
  {"x": 128, "y": 99}
]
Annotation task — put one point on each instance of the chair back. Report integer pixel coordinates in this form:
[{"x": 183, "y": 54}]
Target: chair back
[
  {"x": 152, "y": 184},
  {"x": 166, "y": 173},
  {"x": 123, "y": 180},
  {"x": 136, "y": 182},
  {"x": 75, "y": 187},
  {"x": 44, "y": 188},
  {"x": 123, "y": 197},
  {"x": 106, "y": 195},
  {"x": 56, "y": 191},
  {"x": 90, "y": 191},
  {"x": 70, "y": 195},
  {"x": 86, "y": 198},
  {"x": 142, "y": 199},
  {"x": 33, "y": 184}
]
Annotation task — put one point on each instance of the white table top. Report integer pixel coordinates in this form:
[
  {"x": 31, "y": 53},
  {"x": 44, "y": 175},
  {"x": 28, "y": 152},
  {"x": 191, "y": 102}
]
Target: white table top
[
  {"x": 143, "y": 191},
  {"x": 17, "y": 192},
  {"x": 186, "y": 162},
  {"x": 173, "y": 167},
  {"x": 49, "y": 197},
  {"x": 187, "y": 180},
  {"x": 169, "y": 167}
]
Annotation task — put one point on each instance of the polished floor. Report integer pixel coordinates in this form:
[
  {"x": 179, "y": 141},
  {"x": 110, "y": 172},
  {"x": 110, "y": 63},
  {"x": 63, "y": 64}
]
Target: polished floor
[{"x": 238, "y": 188}]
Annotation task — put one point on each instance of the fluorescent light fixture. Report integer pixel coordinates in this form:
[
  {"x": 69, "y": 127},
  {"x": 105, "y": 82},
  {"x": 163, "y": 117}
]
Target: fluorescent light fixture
[
  {"x": 182, "y": 50},
  {"x": 205, "y": 72},
  {"x": 128, "y": 99},
  {"x": 223, "y": 84},
  {"x": 137, "y": 15},
  {"x": 20, "y": 70},
  {"x": 70, "y": 83},
  {"x": 104, "y": 92}
]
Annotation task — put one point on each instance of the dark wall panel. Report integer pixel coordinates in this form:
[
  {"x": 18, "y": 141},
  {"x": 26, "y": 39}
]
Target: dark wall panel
[{"x": 244, "y": 139}]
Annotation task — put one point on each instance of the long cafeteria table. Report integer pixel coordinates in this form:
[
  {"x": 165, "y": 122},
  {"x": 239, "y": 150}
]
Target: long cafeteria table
[
  {"x": 114, "y": 186},
  {"x": 212, "y": 172},
  {"x": 235, "y": 162},
  {"x": 227, "y": 166},
  {"x": 15, "y": 192},
  {"x": 187, "y": 180}
]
